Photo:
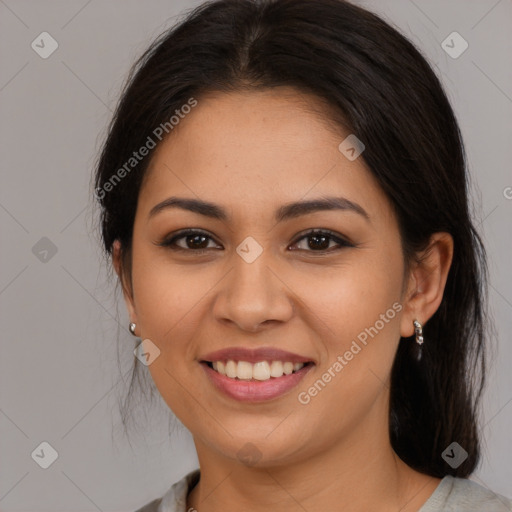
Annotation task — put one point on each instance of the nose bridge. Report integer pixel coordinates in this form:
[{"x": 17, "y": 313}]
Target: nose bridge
[
  {"x": 252, "y": 293},
  {"x": 251, "y": 276}
]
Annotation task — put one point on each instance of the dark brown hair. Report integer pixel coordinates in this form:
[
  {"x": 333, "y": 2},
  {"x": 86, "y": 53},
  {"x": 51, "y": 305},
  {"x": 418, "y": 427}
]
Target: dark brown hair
[{"x": 382, "y": 89}]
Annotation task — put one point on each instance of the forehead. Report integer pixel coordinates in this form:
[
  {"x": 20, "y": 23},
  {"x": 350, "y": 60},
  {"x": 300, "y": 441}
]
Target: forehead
[
  {"x": 227, "y": 126},
  {"x": 254, "y": 148}
]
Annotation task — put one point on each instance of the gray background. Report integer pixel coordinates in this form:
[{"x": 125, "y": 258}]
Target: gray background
[{"x": 59, "y": 378}]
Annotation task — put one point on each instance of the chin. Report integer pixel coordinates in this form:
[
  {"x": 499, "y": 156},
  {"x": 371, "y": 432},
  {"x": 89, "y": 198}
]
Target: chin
[{"x": 257, "y": 450}]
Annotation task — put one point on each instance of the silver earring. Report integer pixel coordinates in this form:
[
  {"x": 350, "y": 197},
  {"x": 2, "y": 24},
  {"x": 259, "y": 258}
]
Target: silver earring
[
  {"x": 132, "y": 328},
  {"x": 418, "y": 329}
]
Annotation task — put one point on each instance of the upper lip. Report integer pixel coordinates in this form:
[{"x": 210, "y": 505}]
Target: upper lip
[{"x": 254, "y": 355}]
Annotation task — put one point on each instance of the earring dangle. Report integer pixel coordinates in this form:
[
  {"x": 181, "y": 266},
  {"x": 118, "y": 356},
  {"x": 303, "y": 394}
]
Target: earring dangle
[
  {"x": 418, "y": 330},
  {"x": 131, "y": 327}
]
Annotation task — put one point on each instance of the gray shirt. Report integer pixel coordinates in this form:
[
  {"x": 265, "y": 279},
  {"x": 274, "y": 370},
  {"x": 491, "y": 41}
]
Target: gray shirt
[{"x": 451, "y": 495}]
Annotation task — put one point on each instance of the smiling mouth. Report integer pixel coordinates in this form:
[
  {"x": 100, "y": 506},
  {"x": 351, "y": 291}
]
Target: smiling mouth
[{"x": 260, "y": 371}]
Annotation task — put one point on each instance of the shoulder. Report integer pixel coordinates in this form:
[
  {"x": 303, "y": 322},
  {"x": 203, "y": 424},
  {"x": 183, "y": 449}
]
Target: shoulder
[
  {"x": 175, "y": 499},
  {"x": 464, "y": 495},
  {"x": 150, "y": 507}
]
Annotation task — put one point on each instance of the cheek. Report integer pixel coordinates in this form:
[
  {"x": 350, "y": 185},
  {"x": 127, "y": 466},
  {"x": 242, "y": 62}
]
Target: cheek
[
  {"x": 168, "y": 301},
  {"x": 360, "y": 347},
  {"x": 165, "y": 295},
  {"x": 357, "y": 311},
  {"x": 349, "y": 298}
]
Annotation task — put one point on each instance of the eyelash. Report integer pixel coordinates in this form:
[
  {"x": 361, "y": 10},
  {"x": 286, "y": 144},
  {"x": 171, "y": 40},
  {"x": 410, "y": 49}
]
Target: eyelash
[{"x": 170, "y": 242}]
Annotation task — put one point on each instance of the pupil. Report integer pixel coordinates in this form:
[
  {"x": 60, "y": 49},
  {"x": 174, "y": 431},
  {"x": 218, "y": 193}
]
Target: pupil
[
  {"x": 193, "y": 238},
  {"x": 315, "y": 244}
]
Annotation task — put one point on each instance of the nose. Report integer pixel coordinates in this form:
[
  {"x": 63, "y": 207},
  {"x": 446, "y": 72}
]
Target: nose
[{"x": 253, "y": 295}]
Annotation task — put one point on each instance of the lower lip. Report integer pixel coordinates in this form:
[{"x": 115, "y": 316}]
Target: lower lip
[{"x": 255, "y": 390}]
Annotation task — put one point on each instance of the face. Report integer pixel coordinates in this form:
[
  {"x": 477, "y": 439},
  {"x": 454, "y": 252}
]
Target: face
[{"x": 255, "y": 280}]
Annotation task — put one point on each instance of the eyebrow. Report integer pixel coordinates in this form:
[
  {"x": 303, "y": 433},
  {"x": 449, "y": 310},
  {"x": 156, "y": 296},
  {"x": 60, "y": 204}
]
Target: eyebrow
[{"x": 285, "y": 212}]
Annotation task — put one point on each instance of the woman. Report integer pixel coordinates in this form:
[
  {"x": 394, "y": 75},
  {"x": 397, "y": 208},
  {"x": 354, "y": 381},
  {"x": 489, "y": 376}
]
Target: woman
[{"x": 284, "y": 198}]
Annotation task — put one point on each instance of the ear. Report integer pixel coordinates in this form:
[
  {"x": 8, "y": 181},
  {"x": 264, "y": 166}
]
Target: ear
[
  {"x": 427, "y": 281},
  {"x": 121, "y": 274}
]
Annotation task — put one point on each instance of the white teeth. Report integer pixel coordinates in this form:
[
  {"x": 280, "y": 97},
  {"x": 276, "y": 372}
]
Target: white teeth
[
  {"x": 262, "y": 370},
  {"x": 288, "y": 368},
  {"x": 244, "y": 370},
  {"x": 231, "y": 369},
  {"x": 276, "y": 369},
  {"x": 221, "y": 367}
]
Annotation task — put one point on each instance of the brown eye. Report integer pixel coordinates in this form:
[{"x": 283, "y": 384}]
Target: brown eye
[
  {"x": 193, "y": 241},
  {"x": 319, "y": 241}
]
